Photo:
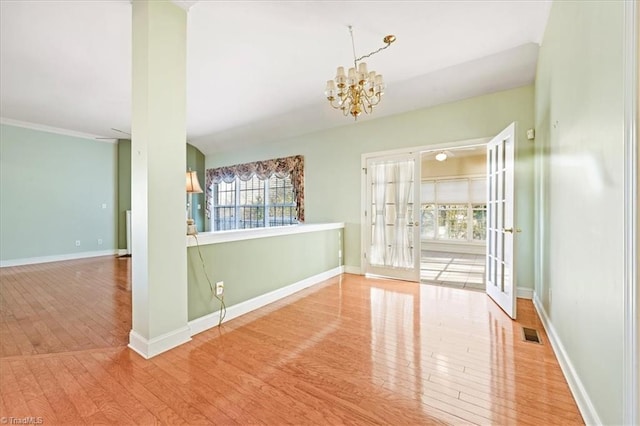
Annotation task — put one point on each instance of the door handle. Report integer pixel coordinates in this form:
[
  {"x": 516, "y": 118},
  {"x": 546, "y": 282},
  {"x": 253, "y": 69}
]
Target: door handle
[{"x": 510, "y": 230}]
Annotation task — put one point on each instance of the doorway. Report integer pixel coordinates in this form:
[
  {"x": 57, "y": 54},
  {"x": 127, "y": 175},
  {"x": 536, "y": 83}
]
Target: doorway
[
  {"x": 457, "y": 213},
  {"x": 453, "y": 214}
]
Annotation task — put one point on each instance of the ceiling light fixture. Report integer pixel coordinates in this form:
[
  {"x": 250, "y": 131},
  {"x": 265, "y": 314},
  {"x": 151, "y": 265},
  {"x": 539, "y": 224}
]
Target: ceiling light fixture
[
  {"x": 360, "y": 89},
  {"x": 441, "y": 156}
]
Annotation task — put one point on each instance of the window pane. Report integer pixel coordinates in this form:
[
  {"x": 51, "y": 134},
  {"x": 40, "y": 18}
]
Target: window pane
[
  {"x": 226, "y": 194},
  {"x": 224, "y": 206},
  {"x": 452, "y": 222},
  {"x": 247, "y": 199},
  {"x": 251, "y": 203},
  {"x": 282, "y": 206},
  {"x": 428, "y": 221},
  {"x": 480, "y": 222}
]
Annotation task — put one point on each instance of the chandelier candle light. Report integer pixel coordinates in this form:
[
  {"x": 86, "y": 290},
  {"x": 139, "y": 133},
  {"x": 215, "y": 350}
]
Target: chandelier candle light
[{"x": 359, "y": 90}]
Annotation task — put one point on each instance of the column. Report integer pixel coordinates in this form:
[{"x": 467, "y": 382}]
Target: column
[{"x": 158, "y": 158}]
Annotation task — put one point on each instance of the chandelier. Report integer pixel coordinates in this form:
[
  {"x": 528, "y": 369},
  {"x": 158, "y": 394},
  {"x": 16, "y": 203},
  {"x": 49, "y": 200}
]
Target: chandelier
[{"x": 359, "y": 90}]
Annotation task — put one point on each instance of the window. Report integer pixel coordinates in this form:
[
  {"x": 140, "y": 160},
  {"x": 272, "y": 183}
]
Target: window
[
  {"x": 254, "y": 203},
  {"x": 255, "y": 195},
  {"x": 454, "y": 210}
]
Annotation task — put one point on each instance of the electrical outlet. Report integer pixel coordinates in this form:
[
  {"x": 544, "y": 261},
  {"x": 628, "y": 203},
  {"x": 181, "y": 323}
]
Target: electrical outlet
[
  {"x": 219, "y": 288},
  {"x": 99, "y": 241},
  {"x": 77, "y": 243}
]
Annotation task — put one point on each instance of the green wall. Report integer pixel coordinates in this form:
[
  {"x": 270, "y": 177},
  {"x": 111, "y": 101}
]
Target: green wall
[
  {"x": 195, "y": 161},
  {"x": 251, "y": 268},
  {"x": 52, "y": 194},
  {"x": 333, "y": 159},
  {"x": 124, "y": 189},
  {"x": 579, "y": 202}
]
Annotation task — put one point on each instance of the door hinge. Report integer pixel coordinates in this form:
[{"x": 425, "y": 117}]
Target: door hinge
[
  {"x": 365, "y": 213},
  {"x": 365, "y": 255},
  {"x": 364, "y": 169}
]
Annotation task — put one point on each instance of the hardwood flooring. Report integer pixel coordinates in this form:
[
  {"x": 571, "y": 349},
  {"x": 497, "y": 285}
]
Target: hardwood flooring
[{"x": 351, "y": 350}]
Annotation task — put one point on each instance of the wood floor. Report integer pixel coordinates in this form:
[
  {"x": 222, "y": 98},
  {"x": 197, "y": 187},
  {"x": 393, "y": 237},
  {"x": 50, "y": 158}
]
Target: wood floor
[{"x": 351, "y": 350}]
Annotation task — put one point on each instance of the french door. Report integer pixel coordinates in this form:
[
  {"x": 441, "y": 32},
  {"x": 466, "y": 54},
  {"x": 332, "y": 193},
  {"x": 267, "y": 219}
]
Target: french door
[
  {"x": 392, "y": 209},
  {"x": 501, "y": 225}
]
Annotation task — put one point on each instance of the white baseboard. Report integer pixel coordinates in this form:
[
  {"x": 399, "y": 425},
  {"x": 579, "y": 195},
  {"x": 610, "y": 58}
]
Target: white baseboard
[
  {"x": 56, "y": 258},
  {"x": 150, "y": 348},
  {"x": 356, "y": 270},
  {"x": 524, "y": 293},
  {"x": 122, "y": 252},
  {"x": 208, "y": 321},
  {"x": 586, "y": 407}
]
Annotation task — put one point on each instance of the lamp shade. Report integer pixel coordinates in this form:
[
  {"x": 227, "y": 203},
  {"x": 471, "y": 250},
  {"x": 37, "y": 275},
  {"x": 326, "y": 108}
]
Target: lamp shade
[{"x": 193, "y": 186}]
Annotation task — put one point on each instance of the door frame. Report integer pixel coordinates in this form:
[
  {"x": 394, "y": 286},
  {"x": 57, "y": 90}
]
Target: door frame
[
  {"x": 409, "y": 150},
  {"x": 631, "y": 85}
]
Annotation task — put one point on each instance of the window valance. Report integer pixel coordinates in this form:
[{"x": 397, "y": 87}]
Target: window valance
[{"x": 280, "y": 167}]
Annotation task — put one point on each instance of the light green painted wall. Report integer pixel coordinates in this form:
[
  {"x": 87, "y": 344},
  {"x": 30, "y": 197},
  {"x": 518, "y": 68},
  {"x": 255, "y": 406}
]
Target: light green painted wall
[
  {"x": 124, "y": 189},
  {"x": 333, "y": 159},
  {"x": 252, "y": 268},
  {"x": 579, "y": 124},
  {"x": 195, "y": 161},
  {"x": 52, "y": 191}
]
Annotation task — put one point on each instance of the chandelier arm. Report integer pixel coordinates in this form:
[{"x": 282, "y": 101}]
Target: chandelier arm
[
  {"x": 372, "y": 53},
  {"x": 331, "y": 102},
  {"x": 373, "y": 99}
]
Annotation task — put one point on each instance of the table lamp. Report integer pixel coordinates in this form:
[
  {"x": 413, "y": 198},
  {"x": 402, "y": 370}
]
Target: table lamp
[{"x": 193, "y": 187}]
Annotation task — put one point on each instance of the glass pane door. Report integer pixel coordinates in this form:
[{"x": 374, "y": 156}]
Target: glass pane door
[{"x": 392, "y": 225}]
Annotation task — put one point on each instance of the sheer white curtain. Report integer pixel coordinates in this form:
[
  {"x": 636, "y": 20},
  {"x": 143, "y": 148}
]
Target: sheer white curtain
[
  {"x": 379, "y": 236},
  {"x": 401, "y": 251},
  {"x": 392, "y": 192}
]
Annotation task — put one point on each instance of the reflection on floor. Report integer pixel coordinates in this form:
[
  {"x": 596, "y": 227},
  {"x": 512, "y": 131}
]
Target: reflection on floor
[{"x": 452, "y": 269}]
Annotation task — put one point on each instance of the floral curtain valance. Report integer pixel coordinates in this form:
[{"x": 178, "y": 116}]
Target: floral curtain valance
[{"x": 281, "y": 167}]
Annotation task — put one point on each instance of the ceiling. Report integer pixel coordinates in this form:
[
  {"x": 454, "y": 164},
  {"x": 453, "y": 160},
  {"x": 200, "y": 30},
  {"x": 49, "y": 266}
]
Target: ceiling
[{"x": 256, "y": 70}]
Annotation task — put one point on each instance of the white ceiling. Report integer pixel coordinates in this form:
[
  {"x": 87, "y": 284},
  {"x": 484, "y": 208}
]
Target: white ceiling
[{"x": 256, "y": 70}]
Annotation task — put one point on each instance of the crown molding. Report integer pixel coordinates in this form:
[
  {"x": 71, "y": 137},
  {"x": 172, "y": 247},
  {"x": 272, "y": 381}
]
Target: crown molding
[{"x": 51, "y": 129}]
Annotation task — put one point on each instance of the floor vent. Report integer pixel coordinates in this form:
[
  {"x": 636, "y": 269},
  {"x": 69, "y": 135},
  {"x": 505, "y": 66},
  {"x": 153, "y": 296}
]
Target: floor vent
[{"x": 531, "y": 335}]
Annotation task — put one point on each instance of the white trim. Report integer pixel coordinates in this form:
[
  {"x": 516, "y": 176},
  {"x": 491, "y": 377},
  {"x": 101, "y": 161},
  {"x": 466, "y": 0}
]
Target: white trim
[
  {"x": 55, "y": 258},
  {"x": 155, "y": 346},
  {"x": 524, "y": 293},
  {"x": 356, "y": 270},
  {"x": 51, "y": 129},
  {"x": 630, "y": 372},
  {"x": 216, "y": 237},
  {"x": 425, "y": 148},
  {"x": 586, "y": 407},
  {"x": 123, "y": 252},
  {"x": 208, "y": 321}
]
